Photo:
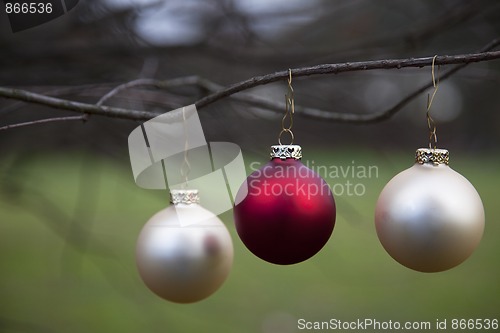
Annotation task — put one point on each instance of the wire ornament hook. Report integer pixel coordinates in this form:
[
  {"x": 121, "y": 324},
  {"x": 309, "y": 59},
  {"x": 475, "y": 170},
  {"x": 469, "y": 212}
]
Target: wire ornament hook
[
  {"x": 431, "y": 124},
  {"x": 289, "y": 111},
  {"x": 185, "y": 167}
]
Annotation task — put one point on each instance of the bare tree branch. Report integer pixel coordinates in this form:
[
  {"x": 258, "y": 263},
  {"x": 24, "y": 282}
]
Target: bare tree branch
[
  {"x": 347, "y": 67},
  {"x": 218, "y": 93},
  {"x": 64, "y": 104}
]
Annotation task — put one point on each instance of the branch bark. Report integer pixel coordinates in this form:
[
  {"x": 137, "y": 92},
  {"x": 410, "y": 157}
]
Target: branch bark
[{"x": 217, "y": 92}]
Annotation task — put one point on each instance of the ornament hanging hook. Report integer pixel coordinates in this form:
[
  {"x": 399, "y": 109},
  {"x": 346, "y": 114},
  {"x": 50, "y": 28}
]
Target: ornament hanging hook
[
  {"x": 185, "y": 167},
  {"x": 431, "y": 124},
  {"x": 289, "y": 111}
]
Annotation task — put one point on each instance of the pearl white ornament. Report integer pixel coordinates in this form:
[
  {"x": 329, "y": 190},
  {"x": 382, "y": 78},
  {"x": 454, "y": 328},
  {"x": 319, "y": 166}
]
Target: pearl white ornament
[
  {"x": 429, "y": 217},
  {"x": 184, "y": 252}
]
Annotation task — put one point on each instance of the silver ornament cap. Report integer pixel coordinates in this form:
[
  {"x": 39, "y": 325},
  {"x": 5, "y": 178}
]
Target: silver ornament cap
[
  {"x": 434, "y": 156},
  {"x": 286, "y": 151},
  {"x": 186, "y": 197}
]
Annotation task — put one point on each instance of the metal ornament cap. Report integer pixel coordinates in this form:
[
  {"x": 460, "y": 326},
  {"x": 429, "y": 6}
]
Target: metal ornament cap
[
  {"x": 186, "y": 197},
  {"x": 286, "y": 151},
  {"x": 429, "y": 217},
  {"x": 434, "y": 156}
]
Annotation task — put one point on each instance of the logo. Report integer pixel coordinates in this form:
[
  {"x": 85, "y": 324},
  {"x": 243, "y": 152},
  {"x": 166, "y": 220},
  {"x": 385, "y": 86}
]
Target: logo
[{"x": 170, "y": 152}]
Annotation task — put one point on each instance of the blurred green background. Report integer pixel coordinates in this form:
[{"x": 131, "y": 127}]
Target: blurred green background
[
  {"x": 67, "y": 241},
  {"x": 70, "y": 211}
]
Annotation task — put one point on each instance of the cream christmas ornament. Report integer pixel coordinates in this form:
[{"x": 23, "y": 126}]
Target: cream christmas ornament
[
  {"x": 184, "y": 252},
  {"x": 429, "y": 217}
]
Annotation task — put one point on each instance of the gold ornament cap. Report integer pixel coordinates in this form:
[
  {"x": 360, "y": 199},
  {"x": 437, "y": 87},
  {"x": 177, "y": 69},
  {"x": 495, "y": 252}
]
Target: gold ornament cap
[
  {"x": 434, "y": 156},
  {"x": 286, "y": 151},
  {"x": 186, "y": 197}
]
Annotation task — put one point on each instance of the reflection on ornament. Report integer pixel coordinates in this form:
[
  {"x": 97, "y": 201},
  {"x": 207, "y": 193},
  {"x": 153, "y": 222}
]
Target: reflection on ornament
[
  {"x": 429, "y": 217},
  {"x": 285, "y": 212},
  {"x": 184, "y": 252}
]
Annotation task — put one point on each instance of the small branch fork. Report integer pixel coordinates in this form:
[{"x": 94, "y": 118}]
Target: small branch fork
[{"x": 236, "y": 91}]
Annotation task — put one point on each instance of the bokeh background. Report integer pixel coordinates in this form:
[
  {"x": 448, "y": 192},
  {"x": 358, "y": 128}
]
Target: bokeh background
[{"x": 70, "y": 212}]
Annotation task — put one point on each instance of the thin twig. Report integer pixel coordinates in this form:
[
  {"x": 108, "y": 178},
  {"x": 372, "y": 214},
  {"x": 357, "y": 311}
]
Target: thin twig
[
  {"x": 194, "y": 80},
  {"x": 162, "y": 84},
  {"x": 43, "y": 121}
]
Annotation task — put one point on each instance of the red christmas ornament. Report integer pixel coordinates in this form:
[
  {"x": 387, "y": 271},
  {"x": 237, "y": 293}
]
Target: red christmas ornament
[{"x": 285, "y": 213}]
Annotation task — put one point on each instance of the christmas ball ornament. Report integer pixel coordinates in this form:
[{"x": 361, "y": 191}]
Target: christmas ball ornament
[
  {"x": 429, "y": 217},
  {"x": 285, "y": 212},
  {"x": 184, "y": 252}
]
